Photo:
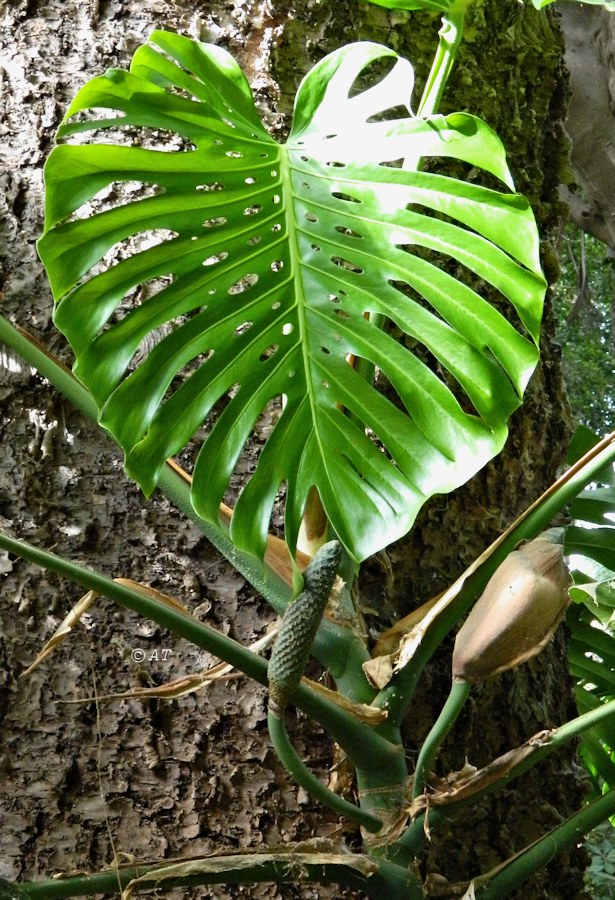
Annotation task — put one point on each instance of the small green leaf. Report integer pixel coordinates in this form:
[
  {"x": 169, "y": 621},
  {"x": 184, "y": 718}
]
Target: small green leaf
[{"x": 411, "y": 5}]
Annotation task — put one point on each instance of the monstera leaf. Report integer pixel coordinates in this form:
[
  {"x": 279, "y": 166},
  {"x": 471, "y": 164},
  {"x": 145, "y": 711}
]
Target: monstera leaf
[
  {"x": 590, "y": 545},
  {"x": 410, "y": 5},
  {"x": 261, "y": 270}
]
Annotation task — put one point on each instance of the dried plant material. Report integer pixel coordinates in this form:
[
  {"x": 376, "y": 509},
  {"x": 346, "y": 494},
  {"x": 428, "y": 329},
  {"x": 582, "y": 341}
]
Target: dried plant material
[
  {"x": 226, "y": 863},
  {"x": 314, "y": 525},
  {"x": 379, "y": 671},
  {"x": 368, "y": 715},
  {"x": 388, "y": 642},
  {"x": 518, "y": 612},
  {"x": 469, "y": 781},
  {"x": 277, "y": 557},
  {"x": 410, "y": 644},
  {"x": 63, "y": 630},
  {"x": 83, "y": 605},
  {"x": 187, "y": 684}
]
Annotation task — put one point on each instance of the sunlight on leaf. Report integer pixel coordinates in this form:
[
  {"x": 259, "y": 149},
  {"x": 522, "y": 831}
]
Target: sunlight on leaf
[{"x": 281, "y": 262}]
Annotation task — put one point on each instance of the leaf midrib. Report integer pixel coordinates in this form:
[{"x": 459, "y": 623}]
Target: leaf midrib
[{"x": 301, "y": 303}]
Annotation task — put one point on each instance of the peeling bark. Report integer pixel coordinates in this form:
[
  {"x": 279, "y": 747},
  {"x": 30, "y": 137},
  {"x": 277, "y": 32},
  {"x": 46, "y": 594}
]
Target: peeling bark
[{"x": 590, "y": 57}]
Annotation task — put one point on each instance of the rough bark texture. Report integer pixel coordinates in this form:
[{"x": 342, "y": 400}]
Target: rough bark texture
[
  {"x": 83, "y": 782},
  {"x": 590, "y": 58}
]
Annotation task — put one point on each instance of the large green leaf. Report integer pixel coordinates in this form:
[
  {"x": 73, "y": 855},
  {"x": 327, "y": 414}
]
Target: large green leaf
[
  {"x": 280, "y": 262},
  {"x": 590, "y": 546}
]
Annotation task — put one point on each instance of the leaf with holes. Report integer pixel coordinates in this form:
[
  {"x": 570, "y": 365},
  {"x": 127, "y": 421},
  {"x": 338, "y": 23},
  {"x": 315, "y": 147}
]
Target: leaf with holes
[
  {"x": 247, "y": 275},
  {"x": 590, "y": 547}
]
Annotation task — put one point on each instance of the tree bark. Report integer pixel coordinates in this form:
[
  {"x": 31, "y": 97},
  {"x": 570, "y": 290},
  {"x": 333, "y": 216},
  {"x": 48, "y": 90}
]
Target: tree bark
[{"x": 84, "y": 781}]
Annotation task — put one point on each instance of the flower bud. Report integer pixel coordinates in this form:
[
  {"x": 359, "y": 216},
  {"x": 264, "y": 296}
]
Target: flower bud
[{"x": 518, "y": 612}]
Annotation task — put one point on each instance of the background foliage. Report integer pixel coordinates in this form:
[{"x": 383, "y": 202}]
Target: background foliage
[{"x": 585, "y": 307}]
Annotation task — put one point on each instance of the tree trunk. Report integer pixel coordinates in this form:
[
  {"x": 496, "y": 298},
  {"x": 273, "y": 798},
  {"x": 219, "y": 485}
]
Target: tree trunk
[{"x": 84, "y": 781}]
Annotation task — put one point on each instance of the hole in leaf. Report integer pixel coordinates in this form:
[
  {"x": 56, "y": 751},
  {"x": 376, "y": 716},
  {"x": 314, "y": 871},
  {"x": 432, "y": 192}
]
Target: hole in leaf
[
  {"x": 348, "y": 232},
  {"x": 235, "y": 154},
  {"x": 394, "y": 112},
  {"x": 315, "y": 247},
  {"x": 276, "y": 227},
  {"x": 326, "y": 385},
  {"x": 305, "y": 185},
  {"x": 325, "y": 350},
  {"x": 342, "y": 314},
  {"x": 276, "y": 199},
  {"x": 287, "y": 328},
  {"x": 217, "y": 220},
  {"x": 269, "y": 352},
  {"x": 212, "y": 260},
  {"x": 336, "y": 165},
  {"x": 112, "y": 195},
  {"x": 311, "y": 217},
  {"x": 243, "y": 284},
  {"x": 346, "y": 197},
  {"x": 252, "y": 210},
  {"x": 277, "y": 265},
  {"x": 276, "y": 305},
  {"x": 255, "y": 239},
  {"x": 250, "y": 180},
  {"x": 346, "y": 264},
  {"x": 373, "y": 73},
  {"x": 241, "y": 329},
  {"x": 214, "y": 186},
  {"x": 334, "y": 298}
]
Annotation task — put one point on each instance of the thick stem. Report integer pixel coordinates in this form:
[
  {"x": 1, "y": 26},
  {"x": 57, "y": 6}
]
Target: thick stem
[
  {"x": 496, "y": 776},
  {"x": 309, "y": 782},
  {"x": 456, "y": 602},
  {"x": 449, "y": 39},
  {"x": 337, "y": 648},
  {"x": 459, "y": 693},
  {"x": 377, "y": 879},
  {"x": 537, "y": 855},
  {"x": 360, "y": 741}
]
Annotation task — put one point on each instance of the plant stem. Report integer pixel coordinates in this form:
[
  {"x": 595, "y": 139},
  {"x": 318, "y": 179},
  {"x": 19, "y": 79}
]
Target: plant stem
[
  {"x": 539, "y": 854},
  {"x": 266, "y": 582},
  {"x": 309, "y": 782},
  {"x": 397, "y": 695},
  {"x": 459, "y": 693},
  {"x": 497, "y": 775},
  {"x": 360, "y": 741},
  {"x": 338, "y": 648},
  {"x": 449, "y": 39},
  {"x": 376, "y": 878}
]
